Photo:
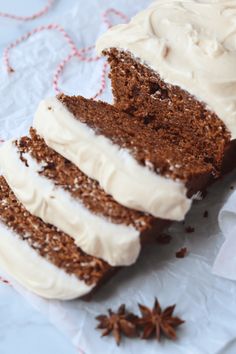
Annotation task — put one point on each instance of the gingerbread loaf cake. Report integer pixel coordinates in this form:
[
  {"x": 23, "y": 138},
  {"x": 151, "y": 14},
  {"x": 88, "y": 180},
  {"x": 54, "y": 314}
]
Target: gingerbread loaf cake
[
  {"x": 131, "y": 161},
  {"x": 52, "y": 188},
  {"x": 173, "y": 67},
  {"x": 41, "y": 258},
  {"x": 93, "y": 182}
]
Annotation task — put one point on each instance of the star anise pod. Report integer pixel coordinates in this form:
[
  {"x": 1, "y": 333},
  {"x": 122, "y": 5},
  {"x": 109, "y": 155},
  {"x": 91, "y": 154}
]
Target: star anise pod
[
  {"x": 157, "y": 322},
  {"x": 118, "y": 323}
]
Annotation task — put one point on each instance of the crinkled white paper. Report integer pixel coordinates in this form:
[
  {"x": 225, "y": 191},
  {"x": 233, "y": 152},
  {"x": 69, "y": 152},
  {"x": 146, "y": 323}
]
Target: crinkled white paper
[
  {"x": 225, "y": 263},
  {"x": 207, "y": 302}
]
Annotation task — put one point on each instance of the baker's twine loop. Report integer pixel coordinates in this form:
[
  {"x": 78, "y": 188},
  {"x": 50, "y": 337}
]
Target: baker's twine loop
[{"x": 82, "y": 54}]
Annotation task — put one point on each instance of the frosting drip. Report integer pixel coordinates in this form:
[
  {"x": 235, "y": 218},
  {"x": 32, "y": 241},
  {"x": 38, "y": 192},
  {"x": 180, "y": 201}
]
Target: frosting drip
[{"x": 191, "y": 44}]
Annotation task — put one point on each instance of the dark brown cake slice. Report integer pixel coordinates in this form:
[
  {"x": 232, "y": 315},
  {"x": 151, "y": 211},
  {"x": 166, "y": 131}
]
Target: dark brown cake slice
[
  {"x": 141, "y": 167},
  {"x": 157, "y": 152},
  {"x": 176, "y": 116},
  {"x": 40, "y": 257},
  {"x": 52, "y": 188}
]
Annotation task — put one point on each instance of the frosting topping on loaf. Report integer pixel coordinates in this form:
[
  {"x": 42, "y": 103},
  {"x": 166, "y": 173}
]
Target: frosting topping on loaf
[{"x": 191, "y": 44}]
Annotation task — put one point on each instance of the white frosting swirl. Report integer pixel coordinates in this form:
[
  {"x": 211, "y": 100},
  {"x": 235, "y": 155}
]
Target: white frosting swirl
[
  {"x": 191, "y": 44},
  {"x": 34, "y": 272},
  {"x": 118, "y": 173},
  {"x": 117, "y": 244}
]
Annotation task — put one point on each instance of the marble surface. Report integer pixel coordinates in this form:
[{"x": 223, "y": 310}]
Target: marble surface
[{"x": 22, "y": 329}]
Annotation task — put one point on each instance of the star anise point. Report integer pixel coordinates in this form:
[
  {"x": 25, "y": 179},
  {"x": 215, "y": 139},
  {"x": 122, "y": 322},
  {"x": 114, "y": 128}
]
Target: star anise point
[{"x": 118, "y": 323}]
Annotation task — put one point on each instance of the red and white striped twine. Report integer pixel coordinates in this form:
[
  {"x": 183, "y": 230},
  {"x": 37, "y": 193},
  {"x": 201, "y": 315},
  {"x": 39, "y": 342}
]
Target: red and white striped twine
[
  {"x": 82, "y": 54},
  {"x": 106, "y": 20},
  {"x": 31, "y": 17},
  {"x": 23, "y": 38}
]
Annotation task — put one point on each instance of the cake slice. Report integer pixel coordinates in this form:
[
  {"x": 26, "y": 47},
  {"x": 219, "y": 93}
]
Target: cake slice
[
  {"x": 135, "y": 164},
  {"x": 52, "y": 188},
  {"x": 41, "y": 258},
  {"x": 173, "y": 67}
]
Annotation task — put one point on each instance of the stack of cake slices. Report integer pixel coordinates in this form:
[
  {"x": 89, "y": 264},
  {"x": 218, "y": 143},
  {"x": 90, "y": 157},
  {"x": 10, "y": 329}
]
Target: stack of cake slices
[{"x": 93, "y": 182}]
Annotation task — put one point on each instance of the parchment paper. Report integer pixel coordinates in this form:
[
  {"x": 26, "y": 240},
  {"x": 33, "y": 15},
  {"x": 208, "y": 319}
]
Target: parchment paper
[{"x": 206, "y": 301}]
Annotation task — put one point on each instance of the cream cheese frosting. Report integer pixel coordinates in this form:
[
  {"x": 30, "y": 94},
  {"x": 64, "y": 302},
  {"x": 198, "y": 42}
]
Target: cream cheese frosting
[
  {"x": 34, "y": 272},
  {"x": 118, "y": 173},
  {"x": 117, "y": 244},
  {"x": 191, "y": 44}
]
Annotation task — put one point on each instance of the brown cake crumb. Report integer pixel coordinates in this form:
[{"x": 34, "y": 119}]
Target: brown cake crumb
[
  {"x": 206, "y": 214},
  {"x": 23, "y": 159},
  {"x": 189, "y": 229},
  {"x": 52, "y": 244},
  {"x": 181, "y": 253}
]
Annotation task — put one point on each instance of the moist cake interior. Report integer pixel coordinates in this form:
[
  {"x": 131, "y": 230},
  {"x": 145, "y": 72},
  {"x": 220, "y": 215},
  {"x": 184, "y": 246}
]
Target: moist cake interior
[
  {"x": 181, "y": 125},
  {"x": 168, "y": 152}
]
